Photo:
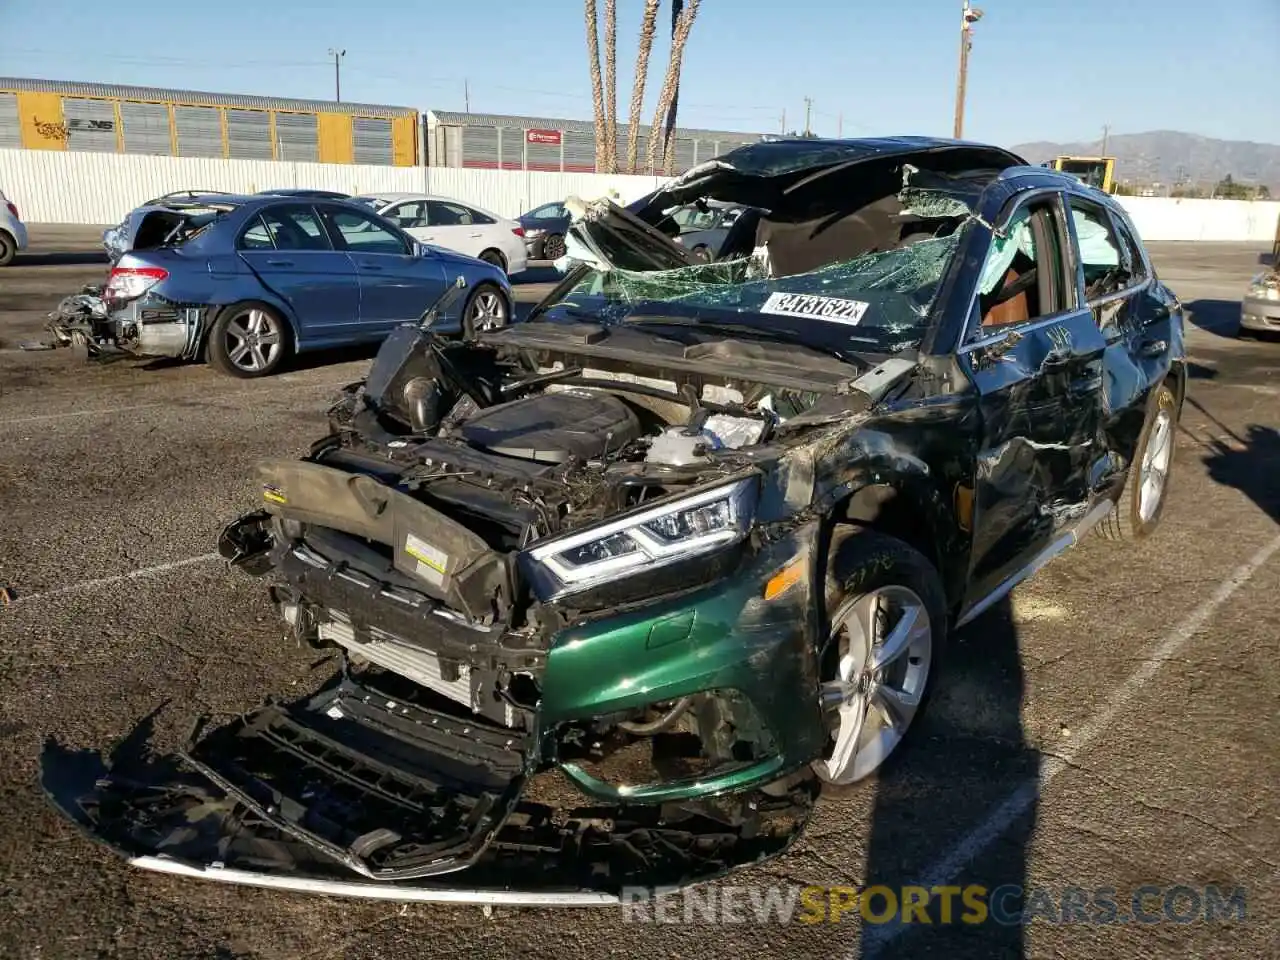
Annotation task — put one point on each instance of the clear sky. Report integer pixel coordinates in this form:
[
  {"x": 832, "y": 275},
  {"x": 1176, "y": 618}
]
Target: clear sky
[{"x": 1040, "y": 69}]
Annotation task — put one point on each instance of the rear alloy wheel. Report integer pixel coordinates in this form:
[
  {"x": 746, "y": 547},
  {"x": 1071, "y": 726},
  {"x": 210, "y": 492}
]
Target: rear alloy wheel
[
  {"x": 1137, "y": 512},
  {"x": 553, "y": 247},
  {"x": 248, "y": 340},
  {"x": 8, "y": 248},
  {"x": 495, "y": 258},
  {"x": 486, "y": 309},
  {"x": 887, "y": 629}
]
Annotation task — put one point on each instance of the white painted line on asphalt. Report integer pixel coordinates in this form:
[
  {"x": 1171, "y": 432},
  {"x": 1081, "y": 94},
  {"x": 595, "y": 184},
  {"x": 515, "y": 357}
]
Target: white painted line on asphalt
[
  {"x": 38, "y": 418},
  {"x": 1019, "y": 802},
  {"x": 85, "y": 586}
]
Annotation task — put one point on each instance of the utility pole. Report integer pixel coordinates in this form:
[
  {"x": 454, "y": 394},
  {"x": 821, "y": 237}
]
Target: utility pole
[
  {"x": 808, "y": 109},
  {"x": 466, "y": 95},
  {"x": 1106, "y": 133},
  {"x": 784, "y": 121},
  {"x": 840, "y": 125},
  {"x": 337, "y": 72},
  {"x": 969, "y": 16}
]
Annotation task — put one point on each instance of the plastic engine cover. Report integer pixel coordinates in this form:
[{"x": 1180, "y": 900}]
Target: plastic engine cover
[{"x": 552, "y": 427}]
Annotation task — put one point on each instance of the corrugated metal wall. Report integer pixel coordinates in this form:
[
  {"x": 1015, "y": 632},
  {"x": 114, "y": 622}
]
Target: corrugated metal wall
[
  {"x": 10, "y": 125},
  {"x": 93, "y": 187}
]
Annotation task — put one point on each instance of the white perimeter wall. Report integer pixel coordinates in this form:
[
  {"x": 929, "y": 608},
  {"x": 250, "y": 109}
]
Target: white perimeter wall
[{"x": 100, "y": 188}]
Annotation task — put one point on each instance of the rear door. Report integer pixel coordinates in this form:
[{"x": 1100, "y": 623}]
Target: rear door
[
  {"x": 396, "y": 283},
  {"x": 1134, "y": 315},
  {"x": 454, "y": 226},
  {"x": 289, "y": 250},
  {"x": 1035, "y": 356}
]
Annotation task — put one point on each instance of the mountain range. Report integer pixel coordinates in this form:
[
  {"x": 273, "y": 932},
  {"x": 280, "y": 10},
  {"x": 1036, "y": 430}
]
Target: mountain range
[{"x": 1171, "y": 157}]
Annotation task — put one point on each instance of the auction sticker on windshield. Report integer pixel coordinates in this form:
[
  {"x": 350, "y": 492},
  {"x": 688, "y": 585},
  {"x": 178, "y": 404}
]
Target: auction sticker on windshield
[{"x": 823, "y": 308}]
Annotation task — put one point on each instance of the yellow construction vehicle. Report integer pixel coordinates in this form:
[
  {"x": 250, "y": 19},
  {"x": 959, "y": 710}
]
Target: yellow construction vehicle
[{"x": 1095, "y": 171}]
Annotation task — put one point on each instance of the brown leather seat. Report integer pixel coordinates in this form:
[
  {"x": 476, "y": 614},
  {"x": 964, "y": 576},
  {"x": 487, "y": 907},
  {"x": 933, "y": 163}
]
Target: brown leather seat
[{"x": 1017, "y": 309}]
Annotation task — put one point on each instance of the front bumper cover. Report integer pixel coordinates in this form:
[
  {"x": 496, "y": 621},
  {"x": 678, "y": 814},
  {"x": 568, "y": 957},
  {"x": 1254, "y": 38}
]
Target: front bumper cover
[{"x": 321, "y": 796}]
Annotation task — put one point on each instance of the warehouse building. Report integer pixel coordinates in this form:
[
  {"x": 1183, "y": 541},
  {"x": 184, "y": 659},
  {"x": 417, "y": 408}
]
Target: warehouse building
[{"x": 61, "y": 115}]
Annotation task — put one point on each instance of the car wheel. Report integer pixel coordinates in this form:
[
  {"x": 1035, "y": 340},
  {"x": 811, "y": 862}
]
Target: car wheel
[
  {"x": 1141, "y": 503},
  {"x": 553, "y": 247},
  {"x": 702, "y": 252},
  {"x": 495, "y": 258},
  {"x": 486, "y": 309},
  {"x": 887, "y": 625},
  {"x": 248, "y": 340},
  {"x": 8, "y": 248}
]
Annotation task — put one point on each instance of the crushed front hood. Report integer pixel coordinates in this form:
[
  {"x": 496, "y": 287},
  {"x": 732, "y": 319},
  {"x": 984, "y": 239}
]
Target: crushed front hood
[{"x": 366, "y": 789}]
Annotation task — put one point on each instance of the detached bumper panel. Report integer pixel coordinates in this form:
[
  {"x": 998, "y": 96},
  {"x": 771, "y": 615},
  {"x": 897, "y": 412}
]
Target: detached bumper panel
[{"x": 352, "y": 793}]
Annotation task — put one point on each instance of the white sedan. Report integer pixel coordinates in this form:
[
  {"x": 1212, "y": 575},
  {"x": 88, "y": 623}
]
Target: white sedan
[{"x": 462, "y": 227}]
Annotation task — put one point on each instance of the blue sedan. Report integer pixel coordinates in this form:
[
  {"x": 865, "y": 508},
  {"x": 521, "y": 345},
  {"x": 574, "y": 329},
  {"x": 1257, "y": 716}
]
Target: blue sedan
[{"x": 245, "y": 282}]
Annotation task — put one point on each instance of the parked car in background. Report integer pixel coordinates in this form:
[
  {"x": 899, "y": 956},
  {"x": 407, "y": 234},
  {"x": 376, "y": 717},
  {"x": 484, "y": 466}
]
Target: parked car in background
[
  {"x": 245, "y": 281},
  {"x": 544, "y": 230},
  {"x": 13, "y": 232},
  {"x": 462, "y": 227},
  {"x": 704, "y": 226},
  {"x": 1260, "y": 307}
]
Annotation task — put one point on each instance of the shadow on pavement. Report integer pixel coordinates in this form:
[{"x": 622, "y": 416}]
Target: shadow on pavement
[
  {"x": 1250, "y": 464},
  {"x": 1221, "y": 317},
  {"x": 67, "y": 259},
  {"x": 538, "y": 272},
  {"x": 959, "y": 776}
]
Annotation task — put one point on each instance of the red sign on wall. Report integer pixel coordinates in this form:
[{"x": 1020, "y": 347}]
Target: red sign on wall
[{"x": 550, "y": 137}]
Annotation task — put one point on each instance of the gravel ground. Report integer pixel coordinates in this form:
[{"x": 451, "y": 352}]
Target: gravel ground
[{"x": 1139, "y": 684}]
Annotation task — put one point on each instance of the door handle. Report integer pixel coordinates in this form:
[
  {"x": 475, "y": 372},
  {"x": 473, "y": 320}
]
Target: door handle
[
  {"x": 279, "y": 263},
  {"x": 476, "y": 235},
  {"x": 371, "y": 267}
]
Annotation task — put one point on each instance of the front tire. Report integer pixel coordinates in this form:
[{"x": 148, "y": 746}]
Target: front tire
[
  {"x": 1141, "y": 503},
  {"x": 887, "y": 620},
  {"x": 8, "y": 249},
  {"x": 248, "y": 340},
  {"x": 496, "y": 258}
]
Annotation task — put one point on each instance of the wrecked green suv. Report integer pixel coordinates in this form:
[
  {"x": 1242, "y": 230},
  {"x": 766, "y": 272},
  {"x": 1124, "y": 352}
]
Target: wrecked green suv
[{"x": 619, "y": 587}]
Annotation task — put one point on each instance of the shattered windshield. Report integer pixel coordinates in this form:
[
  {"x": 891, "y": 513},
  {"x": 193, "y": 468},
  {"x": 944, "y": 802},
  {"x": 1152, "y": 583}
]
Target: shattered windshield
[{"x": 878, "y": 301}]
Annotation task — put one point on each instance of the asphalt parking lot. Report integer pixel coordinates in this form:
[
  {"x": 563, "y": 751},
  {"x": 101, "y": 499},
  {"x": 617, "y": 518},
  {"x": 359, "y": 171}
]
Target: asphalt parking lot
[{"x": 1114, "y": 726}]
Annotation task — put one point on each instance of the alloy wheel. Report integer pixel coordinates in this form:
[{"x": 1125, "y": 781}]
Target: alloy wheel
[
  {"x": 884, "y": 643},
  {"x": 488, "y": 311},
  {"x": 553, "y": 248},
  {"x": 253, "y": 340},
  {"x": 1155, "y": 465}
]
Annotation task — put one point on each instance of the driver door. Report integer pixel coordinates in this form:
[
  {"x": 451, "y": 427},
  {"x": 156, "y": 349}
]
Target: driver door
[{"x": 1035, "y": 356}]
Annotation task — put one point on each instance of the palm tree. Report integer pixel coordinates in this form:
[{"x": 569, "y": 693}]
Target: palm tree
[
  {"x": 679, "y": 38},
  {"x": 597, "y": 88},
  {"x": 611, "y": 85},
  {"x": 648, "y": 25}
]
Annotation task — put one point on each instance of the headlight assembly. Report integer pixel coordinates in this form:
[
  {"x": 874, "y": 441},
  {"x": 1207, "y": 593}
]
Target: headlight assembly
[
  {"x": 697, "y": 524},
  {"x": 1265, "y": 286}
]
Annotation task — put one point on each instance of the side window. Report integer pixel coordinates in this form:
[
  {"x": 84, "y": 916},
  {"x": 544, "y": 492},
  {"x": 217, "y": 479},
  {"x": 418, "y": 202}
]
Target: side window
[
  {"x": 443, "y": 214},
  {"x": 551, "y": 211},
  {"x": 1106, "y": 268},
  {"x": 408, "y": 215},
  {"x": 256, "y": 236},
  {"x": 1025, "y": 276},
  {"x": 1131, "y": 249},
  {"x": 295, "y": 228},
  {"x": 478, "y": 217},
  {"x": 361, "y": 234}
]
